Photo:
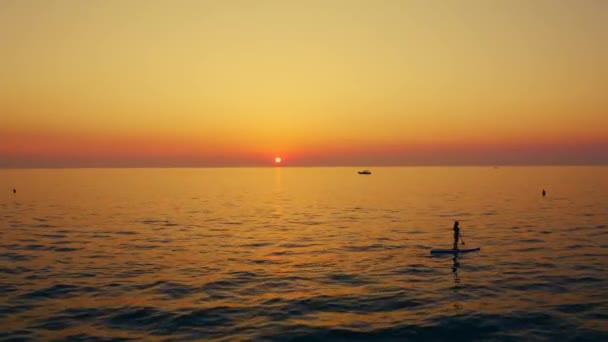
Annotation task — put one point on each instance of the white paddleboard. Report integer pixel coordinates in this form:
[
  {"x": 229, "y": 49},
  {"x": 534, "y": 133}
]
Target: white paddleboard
[{"x": 454, "y": 251}]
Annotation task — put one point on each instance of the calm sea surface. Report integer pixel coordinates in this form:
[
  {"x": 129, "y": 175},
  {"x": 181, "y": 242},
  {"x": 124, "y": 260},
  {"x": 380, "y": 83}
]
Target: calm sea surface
[{"x": 303, "y": 254}]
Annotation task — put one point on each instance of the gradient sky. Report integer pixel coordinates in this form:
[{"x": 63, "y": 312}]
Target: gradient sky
[{"x": 236, "y": 83}]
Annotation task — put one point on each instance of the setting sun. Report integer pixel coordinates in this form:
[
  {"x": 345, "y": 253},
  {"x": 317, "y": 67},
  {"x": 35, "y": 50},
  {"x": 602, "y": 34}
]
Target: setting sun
[{"x": 277, "y": 160}]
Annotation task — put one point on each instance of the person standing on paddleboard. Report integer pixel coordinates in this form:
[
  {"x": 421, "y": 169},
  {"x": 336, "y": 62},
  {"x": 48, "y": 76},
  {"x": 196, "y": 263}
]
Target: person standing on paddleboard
[{"x": 456, "y": 234}]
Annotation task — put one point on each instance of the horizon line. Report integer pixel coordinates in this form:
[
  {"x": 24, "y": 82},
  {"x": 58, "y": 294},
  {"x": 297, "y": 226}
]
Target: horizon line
[{"x": 294, "y": 166}]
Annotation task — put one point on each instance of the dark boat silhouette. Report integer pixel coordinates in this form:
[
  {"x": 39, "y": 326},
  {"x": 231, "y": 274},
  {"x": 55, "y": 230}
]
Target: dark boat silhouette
[{"x": 365, "y": 172}]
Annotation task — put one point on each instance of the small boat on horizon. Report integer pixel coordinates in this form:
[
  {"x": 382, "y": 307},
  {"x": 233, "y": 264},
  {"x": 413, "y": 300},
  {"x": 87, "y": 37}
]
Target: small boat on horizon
[{"x": 365, "y": 172}]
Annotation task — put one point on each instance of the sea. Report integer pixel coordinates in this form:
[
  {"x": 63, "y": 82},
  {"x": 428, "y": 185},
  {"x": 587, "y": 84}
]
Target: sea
[{"x": 303, "y": 254}]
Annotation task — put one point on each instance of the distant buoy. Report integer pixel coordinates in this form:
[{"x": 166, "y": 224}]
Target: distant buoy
[{"x": 14, "y": 191}]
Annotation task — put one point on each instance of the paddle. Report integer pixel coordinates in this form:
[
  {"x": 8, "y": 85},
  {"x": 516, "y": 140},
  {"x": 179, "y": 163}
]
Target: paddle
[{"x": 461, "y": 240}]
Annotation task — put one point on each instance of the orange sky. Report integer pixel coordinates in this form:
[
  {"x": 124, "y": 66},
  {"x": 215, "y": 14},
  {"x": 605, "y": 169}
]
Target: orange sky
[{"x": 236, "y": 83}]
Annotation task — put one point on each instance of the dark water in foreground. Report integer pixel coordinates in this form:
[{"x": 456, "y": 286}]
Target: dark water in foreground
[{"x": 304, "y": 254}]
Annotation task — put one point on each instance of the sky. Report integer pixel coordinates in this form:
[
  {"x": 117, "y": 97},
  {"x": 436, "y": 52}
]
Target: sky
[{"x": 143, "y": 83}]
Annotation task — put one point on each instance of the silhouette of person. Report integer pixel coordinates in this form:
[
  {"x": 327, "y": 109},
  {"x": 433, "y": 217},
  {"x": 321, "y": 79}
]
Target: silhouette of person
[
  {"x": 456, "y": 234},
  {"x": 544, "y": 192}
]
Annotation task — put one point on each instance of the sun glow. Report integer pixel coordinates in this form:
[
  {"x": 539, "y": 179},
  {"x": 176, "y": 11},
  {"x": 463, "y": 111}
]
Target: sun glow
[{"x": 278, "y": 160}]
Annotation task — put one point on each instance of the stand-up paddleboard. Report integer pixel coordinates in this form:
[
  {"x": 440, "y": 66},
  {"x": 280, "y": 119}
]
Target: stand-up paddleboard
[{"x": 454, "y": 251}]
